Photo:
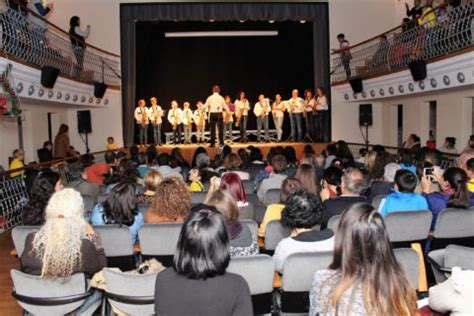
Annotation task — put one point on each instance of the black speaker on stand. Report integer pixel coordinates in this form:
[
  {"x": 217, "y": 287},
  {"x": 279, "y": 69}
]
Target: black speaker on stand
[
  {"x": 365, "y": 119},
  {"x": 84, "y": 125},
  {"x": 48, "y": 76}
]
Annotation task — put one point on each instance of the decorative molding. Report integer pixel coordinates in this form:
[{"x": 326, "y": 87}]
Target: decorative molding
[{"x": 457, "y": 71}]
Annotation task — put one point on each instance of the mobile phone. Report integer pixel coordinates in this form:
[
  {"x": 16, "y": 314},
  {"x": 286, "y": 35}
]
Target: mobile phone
[{"x": 428, "y": 171}]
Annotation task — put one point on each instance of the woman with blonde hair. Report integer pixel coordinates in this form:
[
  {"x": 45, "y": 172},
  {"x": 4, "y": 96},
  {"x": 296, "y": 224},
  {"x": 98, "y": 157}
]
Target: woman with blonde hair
[
  {"x": 66, "y": 244},
  {"x": 172, "y": 202},
  {"x": 307, "y": 175},
  {"x": 233, "y": 163},
  {"x": 150, "y": 183}
]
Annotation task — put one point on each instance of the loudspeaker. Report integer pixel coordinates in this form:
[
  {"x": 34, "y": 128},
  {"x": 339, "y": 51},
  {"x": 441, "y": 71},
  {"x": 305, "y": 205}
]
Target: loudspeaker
[
  {"x": 99, "y": 89},
  {"x": 48, "y": 76},
  {"x": 84, "y": 122},
  {"x": 418, "y": 69},
  {"x": 365, "y": 114},
  {"x": 356, "y": 85}
]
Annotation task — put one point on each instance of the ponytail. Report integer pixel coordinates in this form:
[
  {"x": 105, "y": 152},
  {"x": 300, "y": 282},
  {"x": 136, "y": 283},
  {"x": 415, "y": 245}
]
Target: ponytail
[{"x": 457, "y": 179}]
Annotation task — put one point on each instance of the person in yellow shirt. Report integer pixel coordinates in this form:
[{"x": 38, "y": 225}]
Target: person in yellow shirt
[
  {"x": 17, "y": 162},
  {"x": 289, "y": 186},
  {"x": 470, "y": 175},
  {"x": 195, "y": 179},
  {"x": 111, "y": 143}
]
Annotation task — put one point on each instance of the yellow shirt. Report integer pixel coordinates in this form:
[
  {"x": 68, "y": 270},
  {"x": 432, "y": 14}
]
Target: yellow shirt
[
  {"x": 15, "y": 164},
  {"x": 272, "y": 213},
  {"x": 470, "y": 185},
  {"x": 112, "y": 146},
  {"x": 196, "y": 186}
]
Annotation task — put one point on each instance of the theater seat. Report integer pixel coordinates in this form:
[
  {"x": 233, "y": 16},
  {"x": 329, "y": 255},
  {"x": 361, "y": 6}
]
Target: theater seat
[
  {"x": 19, "y": 234},
  {"x": 117, "y": 243},
  {"x": 443, "y": 260},
  {"x": 409, "y": 260},
  {"x": 334, "y": 222},
  {"x": 454, "y": 226},
  {"x": 159, "y": 241},
  {"x": 404, "y": 228},
  {"x": 272, "y": 196},
  {"x": 274, "y": 233}
]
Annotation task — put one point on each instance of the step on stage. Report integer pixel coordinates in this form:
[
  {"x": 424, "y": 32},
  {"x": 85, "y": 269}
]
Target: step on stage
[{"x": 188, "y": 150}]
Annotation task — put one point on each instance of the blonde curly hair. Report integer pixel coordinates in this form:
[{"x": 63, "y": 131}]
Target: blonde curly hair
[{"x": 172, "y": 199}]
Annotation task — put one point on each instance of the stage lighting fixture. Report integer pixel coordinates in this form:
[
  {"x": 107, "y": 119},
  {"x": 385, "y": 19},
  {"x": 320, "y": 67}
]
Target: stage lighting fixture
[
  {"x": 303, "y": 21},
  {"x": 221, "y": 34},
  {"x": 241, "y": 21},
  {"x": 271, "y": 21}
]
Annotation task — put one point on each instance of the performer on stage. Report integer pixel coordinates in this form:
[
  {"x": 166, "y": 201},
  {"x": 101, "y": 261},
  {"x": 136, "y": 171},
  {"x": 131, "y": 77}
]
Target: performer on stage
[
  {"x": 187, "y": 118},
  {"x": 296, "y": 108},
  {"x": 322, "y": 108},
  {"x": 242, "y": 108},
  {"x": 214, "y": 105},
  {"x": 141, "y": 117},
  {"x": 156, "y": 113},
  {"x": 261, "y": 111},
  {"x": 200, "y": 117},
  {"x": 278, "y": 109},
  {"x": 228, "y": 113},
  {"x": 309, "y": 107},
  {"x": 175, "y": 117}
]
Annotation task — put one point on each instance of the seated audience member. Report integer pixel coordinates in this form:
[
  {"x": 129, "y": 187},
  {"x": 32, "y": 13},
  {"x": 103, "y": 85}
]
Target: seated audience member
[
  {"x": 307, "y": 175},
  {"x": 449, "y": 146},
  {"x": 344, "y": 154},
  {"x": 172, "y": 202},
  {"x": 319, "y": 163},
  {"x": 256, "y": 157},
  {"x": 66, "y": 244},
  {"x": 78, "y": 181},
  {"x": 331, "y": 183},
  {"x": 454, "y": 296},
  {"x": 464, "y": 158},
  {"x": 331, "y": 151},
  {"x": 453, "y": 194},
  {"x": 431, "y": 158},
  {"x": 307, "y": 154},
  {"x": 17, "y": 162},
  {"x": 470, "y": 175},
  {"x": 134, "y": 151},
  {"x": 244, "y": 156},
  {"x": 45, "y": 154},
  {"x": 233, "y": 163},
  {"x": 470, "y": 144},
  {"x": 390, "y": 170},
  {"x": 303, "y": 210},
  {"x": 231, "y": 183},
  {"x": 96, "y": 172},
  {"x": 379, "y": 184},
  {"x": 290, "y": 155},
  {"x": 352, "y": 185},
  {"x": 403, "y": 198},
  {"x": 44, "y": 186},
  {"x": 195, "y": 184},
  {"x": 165, "y": 169},
  {"x": 241, "y": 241},
  {"x": 199, "y": 150},
  {"x": 364, "y": 277},
  {"x": 120, "y": 208},
  {"x": 275, "y": 178},
  {"x": 111, "y": 144},
  {"x": 125, "y": 172},
  {"x": 362, "y": 154},
  {"x": 198, "y": 283},
  {"x": 150, "y": 183},
  {"x": 405, "y": 158},
  {"x": 273, "y": 212},
  {"x": 143, "y": 167},
  {"x": 178, "y": 155},
  {"x": 413, "y": 143}
]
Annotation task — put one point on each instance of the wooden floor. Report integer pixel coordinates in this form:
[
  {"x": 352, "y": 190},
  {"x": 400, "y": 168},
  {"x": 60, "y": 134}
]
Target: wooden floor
[{"x": 8, "y": 306}]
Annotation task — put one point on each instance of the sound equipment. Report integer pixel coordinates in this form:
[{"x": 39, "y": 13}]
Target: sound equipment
[
  {"x": 48, "y": 76},
  {"x": 99, "y": 89},
  {"x": 418, "y": 69},
  {"x": 356, "y": 85},
  {"x": 365, "y": 114},
  {"x": 84, "y": 122}
]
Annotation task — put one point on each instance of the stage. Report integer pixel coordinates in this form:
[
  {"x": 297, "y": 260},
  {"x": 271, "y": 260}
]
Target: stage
[{"x": 188, "y": 150}]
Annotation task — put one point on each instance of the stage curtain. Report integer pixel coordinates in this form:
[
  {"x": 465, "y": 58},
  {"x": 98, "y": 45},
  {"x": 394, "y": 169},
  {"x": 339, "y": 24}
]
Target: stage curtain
[{"x": 131, "y": 13}]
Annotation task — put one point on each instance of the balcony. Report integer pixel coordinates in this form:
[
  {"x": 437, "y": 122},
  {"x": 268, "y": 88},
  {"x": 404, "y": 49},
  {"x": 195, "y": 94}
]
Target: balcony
[{"x": 383, "y": 62}]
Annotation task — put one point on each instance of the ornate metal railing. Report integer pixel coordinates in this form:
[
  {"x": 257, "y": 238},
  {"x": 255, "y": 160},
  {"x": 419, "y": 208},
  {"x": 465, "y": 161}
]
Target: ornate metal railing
[
  {"x": 394, "y": 50},
  {"x": 27, "y": 37}
]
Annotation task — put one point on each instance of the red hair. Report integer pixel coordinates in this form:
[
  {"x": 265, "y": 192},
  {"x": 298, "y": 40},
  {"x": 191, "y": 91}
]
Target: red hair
[{"x": 231, "y": 183}]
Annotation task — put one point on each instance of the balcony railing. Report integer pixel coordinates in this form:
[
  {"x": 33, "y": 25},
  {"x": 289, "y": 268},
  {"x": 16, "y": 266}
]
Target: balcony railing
[
  {"x": 394, "y": 50},
  {"x": 27, "y": 37}
]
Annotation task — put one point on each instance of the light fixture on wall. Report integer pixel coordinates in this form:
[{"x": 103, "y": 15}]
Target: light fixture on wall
[{"x": 221, "y": 34}]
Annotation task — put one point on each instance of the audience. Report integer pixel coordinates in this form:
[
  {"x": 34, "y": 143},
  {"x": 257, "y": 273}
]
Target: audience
[
  {"x": 172, "y": 202},
  {"x": 143, "y": 167},
  {"x": 276, "y": 177},
  {"x": 307, "y": 176},
  {"x": 231, "y": 183},
  {"x": 178, "y": 155},
  {"x": 376, "y": 165},
  {"x": 233, "y": 163},
  {"x": 45, "y": 154},
  {"x": 405, "y": 158},
  {"x": 470, "y": 175},
  {"x": 203, "y": 163},
  {"x": 78, "y": 181},
  {"x": 120, "y": 208},
  {"x": 364, "y": 277},
  {"x": 331, "y": 183},
  {"x": 18, "y": 156},
  {"x": 198, "y": 283},
  {"x": 96, "y": 172},
  {"x": 195, "y": 184},
  {"x": 241, "y": 241},
  {"x": 302, "y": 212},
  {"x": 62, "y": 145},
  {"x": 111, "y": 144},
  {"x": 150, "y": 184},
  {"x": 403, "y": 198}
]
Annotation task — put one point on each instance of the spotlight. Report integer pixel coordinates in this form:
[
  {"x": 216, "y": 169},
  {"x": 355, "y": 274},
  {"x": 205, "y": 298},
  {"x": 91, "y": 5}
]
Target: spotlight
[
  {"x": 241, "y": 21},
  {"x": 303, "y": 21},
  {"x": 211, "y": 20},
  {"x": 271, "y": 21}
]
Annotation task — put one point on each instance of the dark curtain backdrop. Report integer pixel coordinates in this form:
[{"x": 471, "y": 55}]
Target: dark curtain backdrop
[{"x": 133, "y": 14}]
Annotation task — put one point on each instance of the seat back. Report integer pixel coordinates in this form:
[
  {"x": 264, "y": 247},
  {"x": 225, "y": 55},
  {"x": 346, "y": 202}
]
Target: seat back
[
  {"x": 272, "y": 196},
  {"x": 406, "y": 227},
  {"x": 459, "y": 256},
  {"x": 198, "y": 197},
  {"x": 454, "y": 226},
  {"x": 247, "y": 212},
  {"x": 298, "y": 273},
  {"x": 19, "y": 234},
  {"x": 252, "y": 225},
  {"x": 274, "y": 233},
  {"x": 37, "y": 295},
  {"x": 377, "y": 200},
  {"x": 159, "y": 241},
  {"x": 117, "y": 243},
  {"x": 102, "y": 198},
  {"x": 334, "y": 222},
  {"x": 409, "y": 260},
  {"x": 133, "y": 294},
  {"x": 248, "y": 186},
  {"x": 88, "y": 203},
  {"x": 259, "y": 272}
]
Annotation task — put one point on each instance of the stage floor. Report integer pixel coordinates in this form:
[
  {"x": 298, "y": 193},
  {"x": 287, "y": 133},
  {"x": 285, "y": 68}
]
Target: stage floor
[{"x": 188, "y": 150}]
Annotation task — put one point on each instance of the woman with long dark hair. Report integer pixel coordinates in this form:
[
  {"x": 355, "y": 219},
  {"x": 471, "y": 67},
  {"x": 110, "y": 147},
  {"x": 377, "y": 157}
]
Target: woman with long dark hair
[
  {"x": 364, "y": 277},
  {"x": 44, "y": 186},
  {"x": 62, "y": 144}
]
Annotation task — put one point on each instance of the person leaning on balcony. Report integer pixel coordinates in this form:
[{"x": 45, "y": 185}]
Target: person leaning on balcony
[
  {"x": 78, "y": 40},
  {"x": 62, "y": 146}
]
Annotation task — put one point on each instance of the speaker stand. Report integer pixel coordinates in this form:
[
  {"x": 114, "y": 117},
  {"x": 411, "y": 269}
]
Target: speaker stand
[
  {"x": 87, "y": 143},
  {"x": 366, "y": 137},
  {"x": 307, "y": 138}
]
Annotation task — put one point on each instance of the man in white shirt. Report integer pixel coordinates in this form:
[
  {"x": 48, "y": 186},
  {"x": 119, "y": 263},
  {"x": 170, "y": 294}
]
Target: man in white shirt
[
  {"x": 214, "y": 105},
  {"x": 142, "y": 120},
  {"x": 322, "y": 108},
  {"x": 261, "y": 111},
  {"x": 155, "y": 114},
  {"x": 175, "y": 117},
  {"x": 242, "y": 108},
  {"x": 296, "y": 108},
  {"x": 187, "y": 122}
]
